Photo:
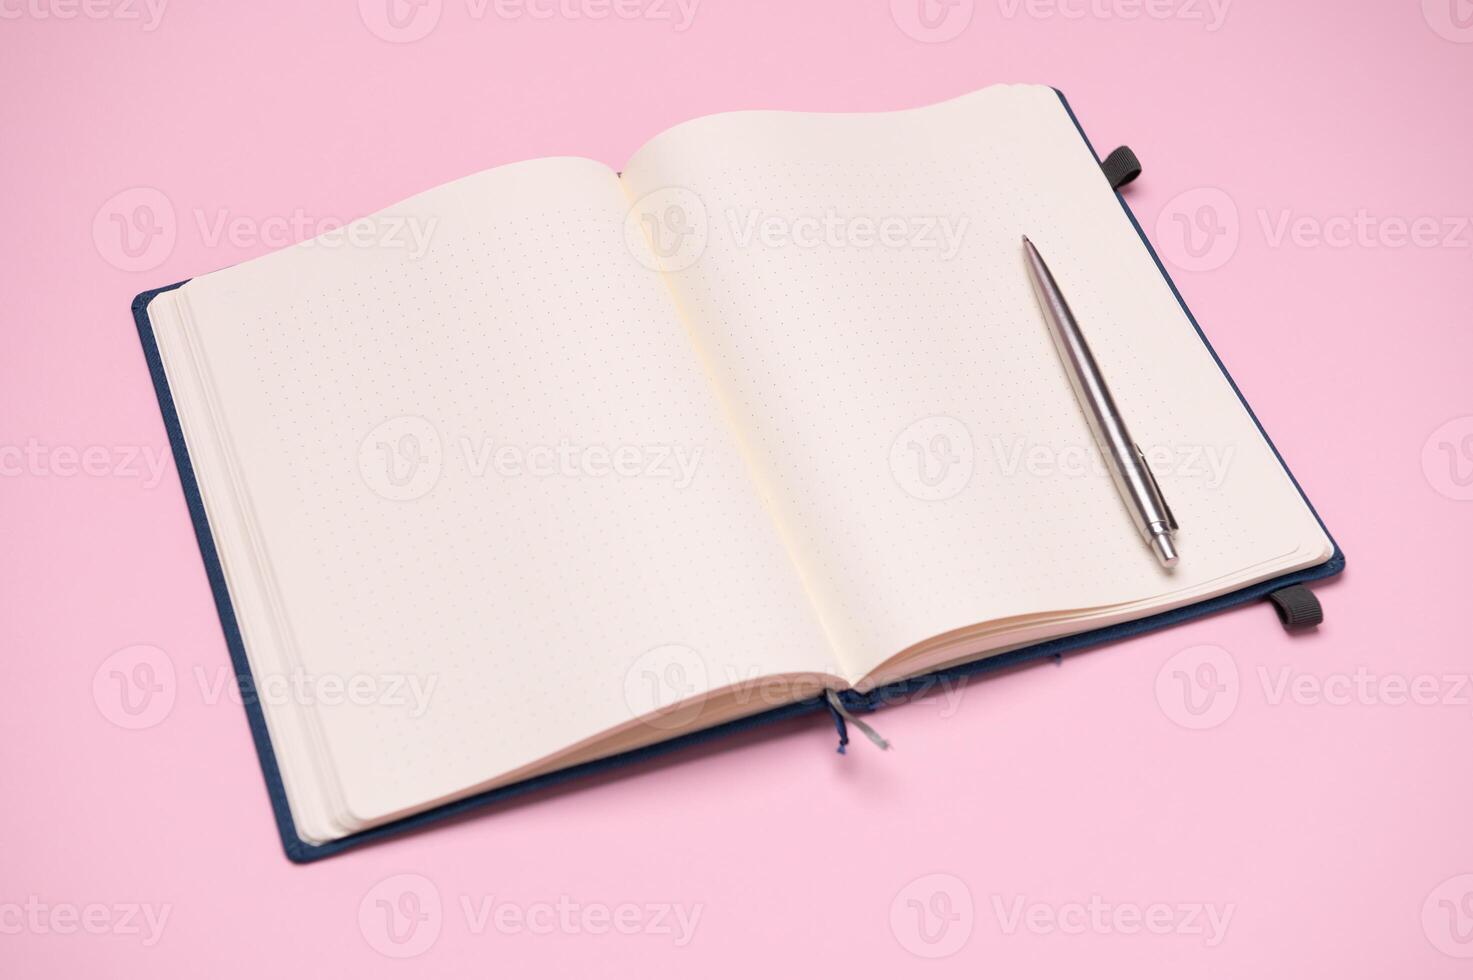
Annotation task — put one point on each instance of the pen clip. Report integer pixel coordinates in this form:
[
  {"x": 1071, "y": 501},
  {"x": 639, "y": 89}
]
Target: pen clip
[{"x": 1156, "y": 488}]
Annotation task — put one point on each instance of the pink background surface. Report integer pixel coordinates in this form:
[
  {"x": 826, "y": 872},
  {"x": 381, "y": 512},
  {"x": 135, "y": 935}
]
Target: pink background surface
[{"x": 1328, "y": 819}]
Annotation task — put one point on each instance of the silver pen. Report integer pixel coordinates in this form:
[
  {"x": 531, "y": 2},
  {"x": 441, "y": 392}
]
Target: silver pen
[{"x": 1133, "y": 477}]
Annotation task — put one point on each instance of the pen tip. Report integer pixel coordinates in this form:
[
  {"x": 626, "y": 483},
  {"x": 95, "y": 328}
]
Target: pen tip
[
  {"x": 1026, "y": 241},
  {"x": 1165, "y": 550}
]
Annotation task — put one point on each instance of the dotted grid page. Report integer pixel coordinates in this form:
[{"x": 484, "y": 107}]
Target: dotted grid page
[
  {"x": 494, "y": 470},
  {"x": 859, "y": 286}
]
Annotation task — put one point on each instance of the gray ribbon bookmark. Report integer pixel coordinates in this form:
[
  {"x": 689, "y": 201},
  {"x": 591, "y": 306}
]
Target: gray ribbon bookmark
[{"x": 842, "y": 718}]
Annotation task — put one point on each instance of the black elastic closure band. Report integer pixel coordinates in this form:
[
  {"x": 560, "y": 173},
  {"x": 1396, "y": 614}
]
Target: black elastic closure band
[
  {"x": 1297, "y": 606},
  {"x": 1121, "y": 167}
]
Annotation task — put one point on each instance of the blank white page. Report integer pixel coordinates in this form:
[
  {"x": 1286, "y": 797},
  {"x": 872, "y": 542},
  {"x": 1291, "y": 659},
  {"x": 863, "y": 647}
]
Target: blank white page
[
  {"x": 903, "y": 401},
  {"x": 380, "y": 439}
]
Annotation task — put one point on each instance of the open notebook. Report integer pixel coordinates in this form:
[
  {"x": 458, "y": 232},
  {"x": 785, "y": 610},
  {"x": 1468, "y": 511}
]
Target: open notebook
[{"x": 617, "y": 457}]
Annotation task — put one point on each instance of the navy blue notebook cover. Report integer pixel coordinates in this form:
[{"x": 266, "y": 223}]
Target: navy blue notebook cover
[{"x": 300, "y": 851}]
